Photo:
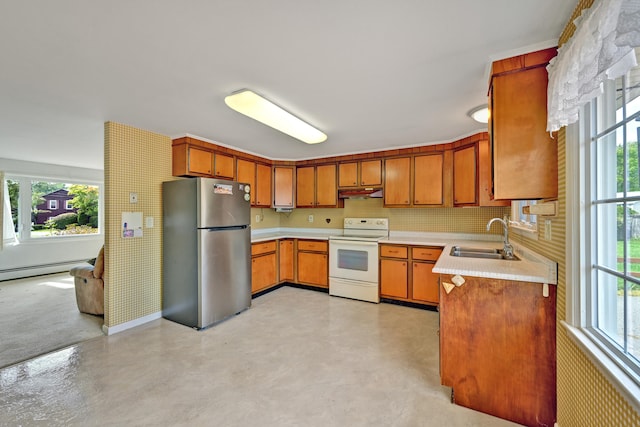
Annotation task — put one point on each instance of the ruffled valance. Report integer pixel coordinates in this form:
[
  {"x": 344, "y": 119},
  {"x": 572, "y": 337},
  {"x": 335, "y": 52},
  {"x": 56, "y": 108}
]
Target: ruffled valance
[{"x": 601, "y": 48}]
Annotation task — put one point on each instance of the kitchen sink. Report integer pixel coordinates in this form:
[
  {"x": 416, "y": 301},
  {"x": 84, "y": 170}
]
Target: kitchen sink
[{"x": 460, "y": 251}]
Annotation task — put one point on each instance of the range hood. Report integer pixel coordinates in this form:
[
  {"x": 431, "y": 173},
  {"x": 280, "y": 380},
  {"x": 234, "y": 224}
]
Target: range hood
[{"x": 361, "y": 193}]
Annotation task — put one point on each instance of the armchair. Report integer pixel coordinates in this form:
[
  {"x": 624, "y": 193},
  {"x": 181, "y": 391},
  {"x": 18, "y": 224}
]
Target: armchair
[{"x": 90, "y": 285}]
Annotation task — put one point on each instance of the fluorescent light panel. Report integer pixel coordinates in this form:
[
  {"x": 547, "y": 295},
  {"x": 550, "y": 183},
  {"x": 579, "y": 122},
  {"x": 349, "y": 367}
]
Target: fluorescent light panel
[{"x": 253, "y": 105}]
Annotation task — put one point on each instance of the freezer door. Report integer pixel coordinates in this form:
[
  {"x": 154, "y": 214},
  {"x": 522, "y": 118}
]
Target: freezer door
[
  {"x": 223, "y": 203},
  {"x": 225, "y": 274}
]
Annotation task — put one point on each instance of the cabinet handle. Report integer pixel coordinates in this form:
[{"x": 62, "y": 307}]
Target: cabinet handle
[{"x": 417, "y": 201}]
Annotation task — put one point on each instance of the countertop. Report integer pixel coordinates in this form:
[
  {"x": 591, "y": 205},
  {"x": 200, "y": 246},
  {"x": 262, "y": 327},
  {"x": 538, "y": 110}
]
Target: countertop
[{"x": 531, "y": 267}]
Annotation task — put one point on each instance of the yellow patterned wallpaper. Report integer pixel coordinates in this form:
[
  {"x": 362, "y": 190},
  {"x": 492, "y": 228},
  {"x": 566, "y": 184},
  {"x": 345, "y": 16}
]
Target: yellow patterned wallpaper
[
  {"x": 585, "y": 396},
  {"x": 135, "y": 161}
]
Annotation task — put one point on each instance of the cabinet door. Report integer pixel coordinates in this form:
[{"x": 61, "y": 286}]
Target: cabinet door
[
  {"x": 425, "y": 282},
  {"x": 313, "y": 268},
  {"x": 247, "y": 173},
  {"x": 262, "y": 188},
  {"x": 286, "y": 261},
  {"x": 397, "y": 181},
  {"x": 326, "y": 189},
  {"x": 199, "y": 161},
  {"x": 348, "y": 174},
  {"x": 305, "y": 187},
  {"x": 371, "y": 172},
  {"x": 224, "y": 166},
  {"x": 393, "y": 278},
  {"x": 525, "y": 157},
  {"x": 465, "y": 178},
  {"x": 428, "y": 179},
  {"x": 283, "y": 186},
  {"x": 485, "y": 182},
  {"x": 263, "y": 272}
]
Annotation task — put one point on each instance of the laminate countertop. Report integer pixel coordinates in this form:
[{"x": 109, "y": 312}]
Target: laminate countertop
[{"x": 531, "y": 267}]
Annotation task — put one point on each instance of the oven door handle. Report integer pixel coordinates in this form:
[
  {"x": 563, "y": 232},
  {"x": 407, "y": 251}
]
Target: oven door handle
[{"x": 352, "y": 242}]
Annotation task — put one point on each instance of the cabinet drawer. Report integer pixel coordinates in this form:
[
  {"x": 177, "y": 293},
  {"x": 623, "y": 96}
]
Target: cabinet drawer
[
  {"x": 426, "y": 254},
  {"x": 263, "y": 247},
  {"x": 313, "y": 245},
  {"x": 393, "y": 251}
]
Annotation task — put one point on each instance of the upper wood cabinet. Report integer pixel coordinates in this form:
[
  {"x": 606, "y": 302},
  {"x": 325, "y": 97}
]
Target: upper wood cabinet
[
  {"x": 316, "y": 186},
  {"x": 428, "y": 176},
  {"x": 397, "y": 181},
  {"x": 465, "y": 176},
  {"x": 191, "y": 161},
  {"x": 262, "y": 188},
  {"x": 257, "y": 175},
  {"x": 246, "y": 170},
  {"x": 223, "y": 166},
  {"x": 525, "y": 156},
  {"x": 485, "y": 193},
  {"x": 283, "y": 186},
  {"x": 366, "y": 173}
]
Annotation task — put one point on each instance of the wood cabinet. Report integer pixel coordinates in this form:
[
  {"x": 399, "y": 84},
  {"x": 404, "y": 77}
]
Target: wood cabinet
[
  {"x": 397, "y": 181},
  {"x": 246, "y": 170},
  {"x": 283, "y": 186},
  {"x": 525, "y": 156},
  {"x": 498, "y": 348},
  {"x": 485, "y": 186},
  {"x": 257, "y": 175},
  {"x": 416, "y": 284},
  {"x": 428, "y": 185},
  {"x": 223, "y": 166},
  {"x": 263, "y": 185},
  {"x": 313, "y": 262},
  {"x": 191, "y": 161},
  {"x": 366, "y": 173},
  {"x": 264, "y": 265},
  {"x": 316, "y": 186},
  {"x": 465, "y": 176},
  {"x": 285, "y": 252}
]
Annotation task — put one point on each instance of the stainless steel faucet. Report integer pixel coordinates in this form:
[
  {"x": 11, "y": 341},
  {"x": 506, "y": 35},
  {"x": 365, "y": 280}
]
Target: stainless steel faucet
[{"x": 507, "y": 250}]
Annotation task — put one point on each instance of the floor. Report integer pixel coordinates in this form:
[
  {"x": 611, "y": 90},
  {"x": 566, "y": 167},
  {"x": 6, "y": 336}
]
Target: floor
[
  {"x": 39, "y": 315},
  {"x": 295, "y": 358}
]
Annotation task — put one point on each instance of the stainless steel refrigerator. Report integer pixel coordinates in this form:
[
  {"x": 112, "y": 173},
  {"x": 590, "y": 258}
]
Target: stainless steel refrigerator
[{"x": 206, "y": 250}]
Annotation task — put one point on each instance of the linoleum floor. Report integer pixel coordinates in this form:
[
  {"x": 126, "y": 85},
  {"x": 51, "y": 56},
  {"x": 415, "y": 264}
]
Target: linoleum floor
[{"x": 295, "y": 358}]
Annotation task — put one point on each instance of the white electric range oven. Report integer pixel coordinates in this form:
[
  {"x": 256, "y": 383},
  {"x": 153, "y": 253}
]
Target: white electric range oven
[{"x": 353, "y": 259}]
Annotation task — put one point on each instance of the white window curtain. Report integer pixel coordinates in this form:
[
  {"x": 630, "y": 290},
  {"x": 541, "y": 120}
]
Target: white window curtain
[
  {"x": 601, "y": 48},
  {"x": 8, "y": 236}
]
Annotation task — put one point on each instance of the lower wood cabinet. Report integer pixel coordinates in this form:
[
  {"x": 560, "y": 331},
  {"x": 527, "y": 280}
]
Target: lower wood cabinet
[
  {"x": 313, "y": 262},
  {"x": 287, "y": 273},
  {"x": 264, "y": 265},
  {"x": 416, "y": 284},
  {"x": 498, "y": 348}
]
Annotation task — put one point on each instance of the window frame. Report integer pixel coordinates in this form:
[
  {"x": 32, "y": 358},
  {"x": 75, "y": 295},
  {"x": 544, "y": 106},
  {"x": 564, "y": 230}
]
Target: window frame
[
  {"x": 580, "y": 250},
  {"x": 53, "y": 205}
]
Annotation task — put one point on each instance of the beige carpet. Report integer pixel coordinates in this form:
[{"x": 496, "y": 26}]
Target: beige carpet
[{"x": 39, "y": 315}]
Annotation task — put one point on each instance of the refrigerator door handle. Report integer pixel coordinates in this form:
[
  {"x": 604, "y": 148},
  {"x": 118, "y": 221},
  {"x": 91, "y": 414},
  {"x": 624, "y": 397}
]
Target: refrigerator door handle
[{"x": 229, "y": 228}]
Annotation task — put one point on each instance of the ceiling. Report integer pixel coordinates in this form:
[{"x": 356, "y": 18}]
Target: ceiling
[{"x": 372, "y": 74}]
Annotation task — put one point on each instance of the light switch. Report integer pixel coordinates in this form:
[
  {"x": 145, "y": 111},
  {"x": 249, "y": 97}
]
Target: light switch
[
  {"x": 148, "y": 222},
  {"x": 133, "y": 197}
]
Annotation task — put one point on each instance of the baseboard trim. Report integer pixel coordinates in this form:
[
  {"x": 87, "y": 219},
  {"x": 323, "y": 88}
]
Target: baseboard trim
[{"x": 110, "y": 330}]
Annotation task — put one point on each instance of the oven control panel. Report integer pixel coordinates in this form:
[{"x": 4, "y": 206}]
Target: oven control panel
[{"x": 367, "y": 223}]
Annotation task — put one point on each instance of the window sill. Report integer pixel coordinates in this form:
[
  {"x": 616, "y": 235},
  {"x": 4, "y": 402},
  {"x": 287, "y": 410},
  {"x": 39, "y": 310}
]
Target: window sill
[
  {"x": 531, "y": 233},
  {"x": 607, "y": 364}
]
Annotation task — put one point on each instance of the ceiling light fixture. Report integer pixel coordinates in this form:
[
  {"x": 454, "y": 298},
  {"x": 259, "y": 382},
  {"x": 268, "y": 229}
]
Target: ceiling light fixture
[
  {"x": 255, "y": 106},
  {"x": 480, "y": 114}
]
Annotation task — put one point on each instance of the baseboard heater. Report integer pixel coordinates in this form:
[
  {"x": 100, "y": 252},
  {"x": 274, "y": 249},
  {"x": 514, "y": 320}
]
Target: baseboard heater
[{"x": 33, "y": 267}]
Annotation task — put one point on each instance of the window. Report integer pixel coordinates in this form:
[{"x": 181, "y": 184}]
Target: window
[
  {"x": 607, "y": 303},
  {"x": 521, "y": 221},
  {"x": 32, "y": 207}
]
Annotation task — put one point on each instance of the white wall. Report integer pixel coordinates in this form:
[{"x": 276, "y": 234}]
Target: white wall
[{"x": 50, "y": 255}]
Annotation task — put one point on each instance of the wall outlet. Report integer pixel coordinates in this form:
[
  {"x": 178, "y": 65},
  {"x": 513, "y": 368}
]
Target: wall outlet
[
  {"x": 257, "y": 218},
  {"x": 148, "y": 222},
  {"x": 133, "y": 197},
  {"x": 310, "y": 219}
]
